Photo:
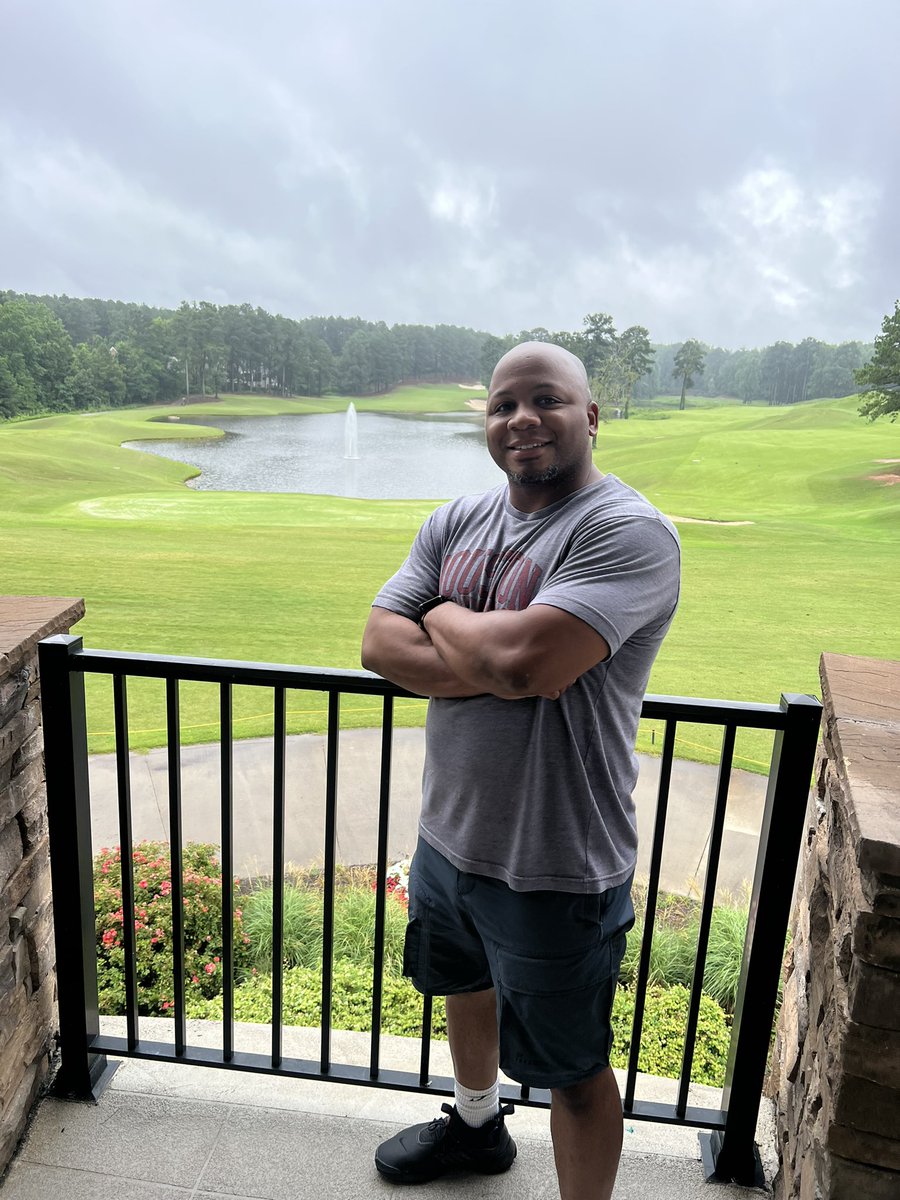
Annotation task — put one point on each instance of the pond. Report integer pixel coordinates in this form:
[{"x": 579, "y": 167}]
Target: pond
[{"x": 398, "y": 458}]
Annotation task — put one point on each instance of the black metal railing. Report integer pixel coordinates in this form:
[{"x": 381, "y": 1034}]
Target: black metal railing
[{"x": 728, "y": 1145}]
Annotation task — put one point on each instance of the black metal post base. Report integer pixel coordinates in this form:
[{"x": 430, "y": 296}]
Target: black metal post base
[
  {"x": 90, "y": 1086},
  {"x": 747, "y": 1173}
]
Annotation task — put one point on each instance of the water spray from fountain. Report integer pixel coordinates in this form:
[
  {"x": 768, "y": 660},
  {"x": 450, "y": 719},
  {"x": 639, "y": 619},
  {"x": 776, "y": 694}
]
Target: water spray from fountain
[{"x": 351, "y": 439}]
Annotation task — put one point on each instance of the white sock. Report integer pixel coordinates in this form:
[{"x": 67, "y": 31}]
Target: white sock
[{"x": 477, "y": 1108}]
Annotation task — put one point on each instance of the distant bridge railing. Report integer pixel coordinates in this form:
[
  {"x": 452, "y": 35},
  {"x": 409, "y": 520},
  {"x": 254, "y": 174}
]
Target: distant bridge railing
[{"x": 728, "y": 1145}]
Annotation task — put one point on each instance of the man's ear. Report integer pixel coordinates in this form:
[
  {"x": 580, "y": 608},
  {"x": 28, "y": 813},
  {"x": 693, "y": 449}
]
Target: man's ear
[{"x": 593, "y": 418}]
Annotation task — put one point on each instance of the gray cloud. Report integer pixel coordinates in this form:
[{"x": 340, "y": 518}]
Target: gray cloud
[{"x": 724, "y": 171}]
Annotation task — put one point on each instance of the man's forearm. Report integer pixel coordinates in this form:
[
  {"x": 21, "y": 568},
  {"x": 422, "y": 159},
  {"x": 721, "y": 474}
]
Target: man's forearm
[
  {"x": 481, "y": 648},
  {"x": 402, "y": 652}
]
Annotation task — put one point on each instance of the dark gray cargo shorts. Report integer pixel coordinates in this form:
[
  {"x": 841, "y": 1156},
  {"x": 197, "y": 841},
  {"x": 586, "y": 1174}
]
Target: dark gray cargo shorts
[{"x": 553, "y": 958}]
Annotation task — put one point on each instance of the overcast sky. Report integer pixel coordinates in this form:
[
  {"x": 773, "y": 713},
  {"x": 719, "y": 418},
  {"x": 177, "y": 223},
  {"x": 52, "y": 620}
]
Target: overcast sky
[{"x": 720, "y": 169}]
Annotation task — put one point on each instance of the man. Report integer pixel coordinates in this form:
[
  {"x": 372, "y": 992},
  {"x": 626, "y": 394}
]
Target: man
[{"x": 531, "y": 616}]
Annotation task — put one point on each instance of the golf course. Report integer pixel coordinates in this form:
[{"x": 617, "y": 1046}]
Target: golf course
[{"x": 789, "y": 519}]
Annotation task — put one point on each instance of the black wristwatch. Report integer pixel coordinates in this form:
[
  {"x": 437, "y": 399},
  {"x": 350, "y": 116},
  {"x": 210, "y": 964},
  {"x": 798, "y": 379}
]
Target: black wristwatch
[{"x": 427, "y": 605}]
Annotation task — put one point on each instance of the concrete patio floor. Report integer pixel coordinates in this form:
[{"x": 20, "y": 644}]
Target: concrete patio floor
[{"x": 169, "y": 1132}]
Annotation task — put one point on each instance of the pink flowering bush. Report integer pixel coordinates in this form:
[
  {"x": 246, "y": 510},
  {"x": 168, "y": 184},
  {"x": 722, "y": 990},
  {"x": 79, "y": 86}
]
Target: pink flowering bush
[{"x": 202, "y": 901}]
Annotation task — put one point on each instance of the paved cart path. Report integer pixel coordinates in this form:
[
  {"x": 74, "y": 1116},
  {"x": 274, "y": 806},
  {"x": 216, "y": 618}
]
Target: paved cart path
[{"x": 689, "y": 818}]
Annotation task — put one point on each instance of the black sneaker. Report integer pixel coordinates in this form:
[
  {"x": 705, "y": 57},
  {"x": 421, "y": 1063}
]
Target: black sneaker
[{"x": 447, "y": 1144}]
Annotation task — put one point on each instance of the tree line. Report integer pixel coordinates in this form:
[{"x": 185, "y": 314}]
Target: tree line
[
  {"x": 628, "y": 366},
  {"x": 60, "y": 352}
]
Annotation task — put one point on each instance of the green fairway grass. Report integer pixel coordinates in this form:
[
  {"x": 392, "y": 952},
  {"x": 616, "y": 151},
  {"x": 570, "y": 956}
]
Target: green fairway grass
[{"x": 289, "y": 578}]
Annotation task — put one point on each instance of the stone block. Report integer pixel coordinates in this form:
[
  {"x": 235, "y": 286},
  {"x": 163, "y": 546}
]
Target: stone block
[
  {"x": 13, "y": 691},
  {"x": 15, "y": 1114},
  {"x": 31, "y": 750},
  {"x": 866, "y": 1148},
  {"x": 863, "y": 1050},
  {"x": 38, "y": 896},
  {"x": 41, "y": 947},
  {"x": 876, "y": 939},
  {"x": 17, "y": 922},
  {"x": 873, "y": 996},
  {"x": 16, "y": 733},
  {"x": 12, "y": 1009},
  {"x": 847, "y": 1180},
  {"x": 33, "y": 868},
  {"x": 11, "y": 852},
  {"x": 25, "y": 787},
  {"x": 861, "y": 1104}
]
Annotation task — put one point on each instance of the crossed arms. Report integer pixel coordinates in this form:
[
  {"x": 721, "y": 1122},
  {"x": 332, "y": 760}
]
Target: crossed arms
[{"x": 539, "y": 651}]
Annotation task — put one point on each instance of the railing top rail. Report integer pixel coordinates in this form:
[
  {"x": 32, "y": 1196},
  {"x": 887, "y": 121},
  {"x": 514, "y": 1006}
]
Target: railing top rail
[{"x": 332, "y": 679}]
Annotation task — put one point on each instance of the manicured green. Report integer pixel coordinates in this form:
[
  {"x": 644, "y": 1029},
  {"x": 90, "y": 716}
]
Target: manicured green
[{"x": 289, "y": 578}]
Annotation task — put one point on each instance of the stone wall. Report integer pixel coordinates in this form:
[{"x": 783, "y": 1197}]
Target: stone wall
[
  {"x": 27, "y": 979},
  {"x": 836, "y": 1065}
]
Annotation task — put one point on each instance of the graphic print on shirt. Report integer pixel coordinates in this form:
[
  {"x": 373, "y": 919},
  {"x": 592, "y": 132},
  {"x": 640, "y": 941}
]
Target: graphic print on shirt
[{"x": 483, "y": 578}]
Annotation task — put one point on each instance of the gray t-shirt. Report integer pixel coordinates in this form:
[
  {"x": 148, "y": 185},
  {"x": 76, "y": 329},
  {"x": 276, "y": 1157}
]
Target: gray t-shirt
[{"x": 537, "y": 792}]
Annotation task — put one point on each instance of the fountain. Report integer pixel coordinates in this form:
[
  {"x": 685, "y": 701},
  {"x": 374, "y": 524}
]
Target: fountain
[{"x": 351, "y": 440}]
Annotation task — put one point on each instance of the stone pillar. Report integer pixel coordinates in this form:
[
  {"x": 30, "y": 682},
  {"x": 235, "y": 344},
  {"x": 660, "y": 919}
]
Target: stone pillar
[
  {"x": 27, "y": 979},
  {"x": 836, "y": 1065}
]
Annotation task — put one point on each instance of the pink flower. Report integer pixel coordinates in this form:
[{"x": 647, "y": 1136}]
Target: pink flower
[
  {"x": 210, "y": 968},
  {"x": 143, "y": 883},
  {"x": 109, "y": 937}
]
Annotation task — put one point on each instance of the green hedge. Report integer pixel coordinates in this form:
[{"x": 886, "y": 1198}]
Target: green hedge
[{"x": 665, "y": 1016}]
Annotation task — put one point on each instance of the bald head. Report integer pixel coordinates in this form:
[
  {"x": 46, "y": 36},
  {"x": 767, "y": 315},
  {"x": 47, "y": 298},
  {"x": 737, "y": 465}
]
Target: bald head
[{"x": 531, "y": 356}]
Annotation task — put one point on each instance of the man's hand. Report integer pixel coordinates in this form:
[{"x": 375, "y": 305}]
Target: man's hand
[
  {"x": 398, "y": 649},
  {"x": 539, "y": 651}
]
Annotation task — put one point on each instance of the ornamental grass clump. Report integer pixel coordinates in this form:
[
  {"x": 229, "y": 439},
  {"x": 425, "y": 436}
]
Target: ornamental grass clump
[
  {"x": 354, "y": 927},
  {"x": 202, "y": 908}
]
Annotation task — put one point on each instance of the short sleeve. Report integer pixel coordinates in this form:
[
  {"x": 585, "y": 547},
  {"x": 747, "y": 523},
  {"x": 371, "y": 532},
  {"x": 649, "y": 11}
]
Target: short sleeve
[
  {"x": 620, "y": 576},
  {"x": 419, "y": 577}
]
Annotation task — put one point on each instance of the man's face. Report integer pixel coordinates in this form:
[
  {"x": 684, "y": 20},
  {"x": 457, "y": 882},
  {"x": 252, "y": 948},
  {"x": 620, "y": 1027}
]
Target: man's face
[{"x": 539, "y": 422}]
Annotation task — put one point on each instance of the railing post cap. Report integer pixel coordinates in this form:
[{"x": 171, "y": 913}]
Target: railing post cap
[{"x": 72, "y": 642}]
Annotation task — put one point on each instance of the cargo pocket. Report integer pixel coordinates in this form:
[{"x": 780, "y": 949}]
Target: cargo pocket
[
  {"x": 554, "y": 1015},
  {"x": 415, "y": 952}
]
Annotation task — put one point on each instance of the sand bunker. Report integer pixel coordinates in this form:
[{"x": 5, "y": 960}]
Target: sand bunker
[
  {"x": 887, "y": 480},
  {"x": 704, "y": 521},
  {"x": 886, "y": 460},
  {"x": 472, "y": 387}
]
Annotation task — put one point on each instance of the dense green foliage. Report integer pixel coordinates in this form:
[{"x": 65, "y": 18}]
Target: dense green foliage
[
  {"x": 879, "y": 379},
  {"x": 626, "y": 365},
  {"x": 202, "y": 900},
  {"x": 132, "y": 354},
  {"x": 59, "y": 353},
  {"x": 354, "y": 923},
  {"x": 662, "y": 1036}
]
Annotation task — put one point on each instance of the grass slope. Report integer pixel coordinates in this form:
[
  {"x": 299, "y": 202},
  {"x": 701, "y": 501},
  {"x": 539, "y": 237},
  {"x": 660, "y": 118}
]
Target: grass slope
[{"x": 289, "y": 578}]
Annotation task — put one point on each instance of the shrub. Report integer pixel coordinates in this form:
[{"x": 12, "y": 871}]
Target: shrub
[
  {"x": 351, "y": 1001},
  {"x": 662, "y": 1036},
  {"x": 674, "y": 949},
  {"x": 202, "y": 894}
]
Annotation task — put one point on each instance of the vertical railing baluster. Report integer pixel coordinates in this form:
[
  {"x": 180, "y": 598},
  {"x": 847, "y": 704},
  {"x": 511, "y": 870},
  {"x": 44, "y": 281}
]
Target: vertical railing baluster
[
  {"x": 331, "y": 775},
  {"x": 706, "y": 911},
  {"x": 126, "y": 858},
  {"x": 176, "y": 858},
  {"x": 280, "y": 748},
  {"x": 226, "y": 782},
  {"x": 384, "y": 800},
  {"x": 643, "y": 975},
  {"x": 425, "y": 1056},
  {"x": 82, "y": 1074},
  {"x": 732, "y": 1154}
]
